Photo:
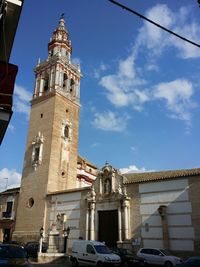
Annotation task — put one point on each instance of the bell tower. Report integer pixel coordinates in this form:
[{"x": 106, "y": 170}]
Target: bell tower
[{"x": 50, "y": 162}]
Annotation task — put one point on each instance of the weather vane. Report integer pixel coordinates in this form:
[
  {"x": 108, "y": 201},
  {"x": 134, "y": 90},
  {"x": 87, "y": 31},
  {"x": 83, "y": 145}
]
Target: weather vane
[{"x": 62, "y": 16}]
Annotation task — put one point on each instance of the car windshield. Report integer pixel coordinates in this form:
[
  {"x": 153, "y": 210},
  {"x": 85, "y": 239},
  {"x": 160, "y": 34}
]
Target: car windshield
[
  {"x": 165, "y": 252},
  {"x": 102, "y": 249}
]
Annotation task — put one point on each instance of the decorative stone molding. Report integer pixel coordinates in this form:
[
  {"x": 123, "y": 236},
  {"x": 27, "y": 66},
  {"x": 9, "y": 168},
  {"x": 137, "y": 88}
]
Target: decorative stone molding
[{"x": 37, "y": 148}]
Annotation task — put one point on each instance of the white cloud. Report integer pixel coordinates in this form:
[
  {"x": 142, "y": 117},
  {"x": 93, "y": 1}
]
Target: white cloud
[
  {"x": 109, "y": 121},
  {"x": 133, "y": 169},
  {"x": 177, "y": 95},
  {"x": 192, "y": 32},
  {"x": 127, "y": 86},
  {"x": 9, "y": 179},
  {"x": 122, "y": 87},
  {"x": 22, "y": 99},
  {"x": 98, "y": 71},
  {"x": 156, "y": 39}
]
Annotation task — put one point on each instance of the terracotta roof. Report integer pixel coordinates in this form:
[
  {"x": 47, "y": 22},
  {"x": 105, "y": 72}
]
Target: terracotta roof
[
  {"x": 161, "y": 175},
  {"x": 10, "y": 191},
  {"x": 69, "y": 190},
  {"x": 80, "y": 158}
]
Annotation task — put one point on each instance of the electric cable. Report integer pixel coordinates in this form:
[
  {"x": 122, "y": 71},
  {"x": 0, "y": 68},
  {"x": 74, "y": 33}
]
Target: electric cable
[{"x": 153, "y": 22}]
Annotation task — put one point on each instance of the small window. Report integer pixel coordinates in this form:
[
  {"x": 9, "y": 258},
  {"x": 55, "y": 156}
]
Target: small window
[
  {"x": 30, "y": 202},
  {"x": 65, "y": 78},
  {"x": 66, "y": 131},
  {"x": 72, "y": 85},
  {"x": 36, "y": 154},
  {"x": 46, "y": 85}
]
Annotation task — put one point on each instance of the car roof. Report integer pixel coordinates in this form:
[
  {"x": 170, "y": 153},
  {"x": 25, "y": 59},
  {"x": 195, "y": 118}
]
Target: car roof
[{"x": 11, "y": 245}]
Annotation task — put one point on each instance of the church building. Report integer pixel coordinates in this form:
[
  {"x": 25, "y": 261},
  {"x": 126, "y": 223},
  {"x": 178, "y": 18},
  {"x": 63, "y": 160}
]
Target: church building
[{"x": 61, "y": 190}]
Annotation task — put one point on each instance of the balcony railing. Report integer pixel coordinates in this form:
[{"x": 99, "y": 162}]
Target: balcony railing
[{"x": 7, "y": 215}]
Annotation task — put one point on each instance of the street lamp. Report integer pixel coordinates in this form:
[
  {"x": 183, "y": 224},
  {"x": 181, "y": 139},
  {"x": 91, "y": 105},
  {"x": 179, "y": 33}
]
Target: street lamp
[
  {"x": 66, "y": 233},
  {"x": 41, "y": 237}
]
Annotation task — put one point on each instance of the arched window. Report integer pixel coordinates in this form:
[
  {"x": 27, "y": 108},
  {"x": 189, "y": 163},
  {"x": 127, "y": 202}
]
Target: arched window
[
  {"x": 72, "y": 85},
  {"x": 46, "y": 84},
  {"x": 65, "y": 78},
  {"x": 66, "y": 131}
]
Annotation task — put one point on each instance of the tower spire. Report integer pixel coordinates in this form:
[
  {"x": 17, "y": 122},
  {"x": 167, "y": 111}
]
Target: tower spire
[{"x": 60, "y": 40}]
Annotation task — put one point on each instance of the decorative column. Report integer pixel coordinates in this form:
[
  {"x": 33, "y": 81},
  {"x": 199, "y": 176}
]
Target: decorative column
[
  {"x": 126, "y": 217},
  {"x": 92, "y": 212},
  {"x": 51, "y": 79},
  {"x": 91, "y": 205},
  {"x": 87, "y": 224},
  {"x": 57, "y": 77},
  {"x": 41, "y": 86},
  {"x": 120, "y": 223},
  {"x": 162, "y": 210}
]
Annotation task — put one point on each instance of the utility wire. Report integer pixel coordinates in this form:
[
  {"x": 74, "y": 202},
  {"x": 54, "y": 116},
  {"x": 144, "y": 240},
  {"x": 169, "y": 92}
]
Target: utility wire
[{"x": 154, "y": 23}]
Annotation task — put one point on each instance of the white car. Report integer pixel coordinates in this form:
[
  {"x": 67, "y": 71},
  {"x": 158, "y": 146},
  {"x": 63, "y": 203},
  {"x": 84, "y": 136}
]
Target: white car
[
  {"x": 156, "y": 256},
  {"x": 93, "y": 253}
]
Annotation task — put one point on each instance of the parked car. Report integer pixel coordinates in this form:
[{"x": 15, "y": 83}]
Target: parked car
[
  {"x": 32, "y": 248},
  {"x": 191, "y": 262},
  {"x": 13, "y": 255},
  {"x": 16, "y": 243},
  {"x": 129, "y": 258},
  {"x": 159, "y": 257},
  {"x": 93, "y": 253}
]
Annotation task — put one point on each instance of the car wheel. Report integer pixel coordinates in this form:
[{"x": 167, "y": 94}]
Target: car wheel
[
  {"x": 168, "y": 264},
  {"x": 74, "y": 263},
  {"x": 100, "y": 264}
]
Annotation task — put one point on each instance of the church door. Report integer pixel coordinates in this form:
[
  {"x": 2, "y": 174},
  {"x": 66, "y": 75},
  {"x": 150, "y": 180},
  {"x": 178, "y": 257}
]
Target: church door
[{"x": 108, "y": 227}]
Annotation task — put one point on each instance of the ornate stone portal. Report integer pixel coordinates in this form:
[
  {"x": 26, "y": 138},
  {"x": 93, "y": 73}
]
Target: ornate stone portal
[{"x": 108, "y": 194}]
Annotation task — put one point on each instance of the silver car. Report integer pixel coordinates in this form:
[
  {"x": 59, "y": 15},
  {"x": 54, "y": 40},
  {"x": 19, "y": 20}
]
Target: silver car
[{"x": 156, "y": 256}]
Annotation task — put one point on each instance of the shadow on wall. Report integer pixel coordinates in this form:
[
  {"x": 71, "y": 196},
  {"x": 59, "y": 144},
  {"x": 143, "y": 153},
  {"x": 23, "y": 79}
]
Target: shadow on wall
[{"x": 167, "y": 210}]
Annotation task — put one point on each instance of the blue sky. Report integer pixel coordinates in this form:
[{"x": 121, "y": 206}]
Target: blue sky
[{"x": 140, "y": 86}]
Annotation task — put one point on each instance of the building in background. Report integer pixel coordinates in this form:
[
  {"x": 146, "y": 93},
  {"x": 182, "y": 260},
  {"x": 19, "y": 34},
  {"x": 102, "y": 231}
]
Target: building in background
[
  {"x": 8, "y": 210},
  {"x": 9, "y": 17}
]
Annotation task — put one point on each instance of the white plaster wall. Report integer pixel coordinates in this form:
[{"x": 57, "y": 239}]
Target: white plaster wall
[
  {"x": 71, "y": 214},
  {"x": 173, "y": 194},
  {"x": 181, "y": 232},
  {"x": 152, "y": 243},
  {"x": 163, "y": 186},
  {"x": 187, "y": 245},
  {"x": 184, "y": 219},
  {"x": 149, "y": 209},
  {"x": 152, "y": 220},
  {"x": 67, "y": 206},
  {"x": 67, "y": 197},
  {"x": 184, "y": 207},
  {"x": 155, "y": 232},
  {"x": 177, "y": 208},
  {"x": 164, "y": 197}
]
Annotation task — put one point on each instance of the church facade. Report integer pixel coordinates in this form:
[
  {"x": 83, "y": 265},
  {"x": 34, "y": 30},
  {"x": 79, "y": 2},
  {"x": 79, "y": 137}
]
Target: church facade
[{"x": 60, "y": 189}]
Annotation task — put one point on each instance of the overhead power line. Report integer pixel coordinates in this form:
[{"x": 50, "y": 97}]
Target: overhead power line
[{"x": 154, "y": 23}]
